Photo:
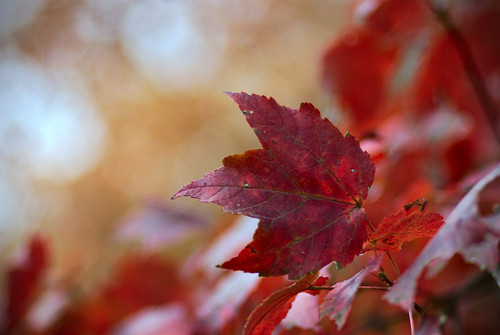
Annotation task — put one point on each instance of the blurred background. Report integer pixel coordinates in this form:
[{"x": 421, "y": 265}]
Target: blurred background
[{"x": 105, "y": 104}]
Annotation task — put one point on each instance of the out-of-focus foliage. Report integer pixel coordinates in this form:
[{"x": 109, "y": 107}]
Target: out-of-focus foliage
[
  {"x": 108, "y": 107},
  {"x": 106, "y": 104}
]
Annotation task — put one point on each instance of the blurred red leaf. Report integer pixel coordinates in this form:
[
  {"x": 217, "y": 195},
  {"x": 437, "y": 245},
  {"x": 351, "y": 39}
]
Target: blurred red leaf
[
  {"x": 306, "y": 185},
  {"x": 172, "y": 319},
  {"x": 408, "y": 224},
  {"x": 432, "y": 87},
  {"x": 488, "y": 200},
  {"x": 304, "y": 313},
  {"x": 392, "y": 18},
  {"x": 338, "y": 301},
  {"x": 24, "y": 279},
  {"x": 137, "y": 282},
  {"x": 269, "y": 314},
  {"x": 358, "y": 68},
  {"x": 430, "y": 325},
  {"x": 223, "y": 303},
  {"x": 157, "y": 225},
  {"x": 465, "y": 232}
]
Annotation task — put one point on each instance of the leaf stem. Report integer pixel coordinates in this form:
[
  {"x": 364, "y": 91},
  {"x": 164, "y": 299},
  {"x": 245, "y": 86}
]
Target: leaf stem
[
  {"x": 377, "y": 288},
  {"x": 412, "y": 325},
  {"x": 384, "y": 278},
  {"x": 471, "y": 67},
  {"x": 394, "y": 265},
  {"x": 321, "y": 288},
  {"x": 361, "y": 287}
]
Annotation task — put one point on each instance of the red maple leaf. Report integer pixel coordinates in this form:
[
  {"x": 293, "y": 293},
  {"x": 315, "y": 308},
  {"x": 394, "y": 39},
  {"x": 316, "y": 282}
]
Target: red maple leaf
[
  {"x": 269, "y": 314},
  {"x": 408, "y": 224},
  {"x": 306, "y": 186}
]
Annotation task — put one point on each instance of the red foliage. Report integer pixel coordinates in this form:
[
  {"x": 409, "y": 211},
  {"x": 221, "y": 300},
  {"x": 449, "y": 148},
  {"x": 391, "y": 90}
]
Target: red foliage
[
  {"x": 307, "y": 172},
  {"x": 408, "y": 224},
  {"x": 360, "y": 54},
  {"x": 138, "y": 281},
  {"x": 465, "y": 232},
  {"x": 420, "y": 85},
  {"x": 269, "y": 314}
]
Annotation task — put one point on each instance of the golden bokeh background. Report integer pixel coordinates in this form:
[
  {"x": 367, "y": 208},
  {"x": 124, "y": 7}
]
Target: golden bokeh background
[{"x": 106, "y": 103}]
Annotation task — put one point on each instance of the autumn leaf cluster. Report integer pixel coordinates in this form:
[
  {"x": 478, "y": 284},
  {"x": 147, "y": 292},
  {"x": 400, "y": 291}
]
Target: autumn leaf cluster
[{"x": 400, "y": 198}]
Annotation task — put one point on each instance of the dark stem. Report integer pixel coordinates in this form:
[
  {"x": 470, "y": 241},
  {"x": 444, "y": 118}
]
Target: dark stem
[
  {"x": 419, "y": 309},
  {"x": 471, "y": 68},
  {"x": 379, "y": 288},
  {"x": 384, "y": 278}
]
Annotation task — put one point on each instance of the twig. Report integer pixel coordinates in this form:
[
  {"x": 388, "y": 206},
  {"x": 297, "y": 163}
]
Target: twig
[
  {"x": 379, "y": 288},
  {"x": 361, "y": 287}
]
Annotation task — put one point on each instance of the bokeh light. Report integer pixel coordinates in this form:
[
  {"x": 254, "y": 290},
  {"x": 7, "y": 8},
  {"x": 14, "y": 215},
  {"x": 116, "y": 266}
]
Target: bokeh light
[{"x": 108, "y": 103}]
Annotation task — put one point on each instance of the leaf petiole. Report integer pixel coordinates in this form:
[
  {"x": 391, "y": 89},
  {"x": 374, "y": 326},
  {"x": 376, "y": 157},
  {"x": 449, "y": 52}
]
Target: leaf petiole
[
  {"x": 362, "y": 287},
  {"x": 394, "y": 265}
]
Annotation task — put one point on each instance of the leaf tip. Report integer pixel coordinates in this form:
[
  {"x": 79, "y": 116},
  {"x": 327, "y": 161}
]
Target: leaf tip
[
  {"x": 234, "y": 95},
  {"x": 176, "y": 195}
]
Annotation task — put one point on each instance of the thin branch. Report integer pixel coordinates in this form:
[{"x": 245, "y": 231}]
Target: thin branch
[
  {"x": 320, "y": 288},
  {"x": 394, "y": 265},
  {"x": 361, "y": 287},
  {"x": 377, "y": 288},
  {"x": 471, "y": 68}
]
